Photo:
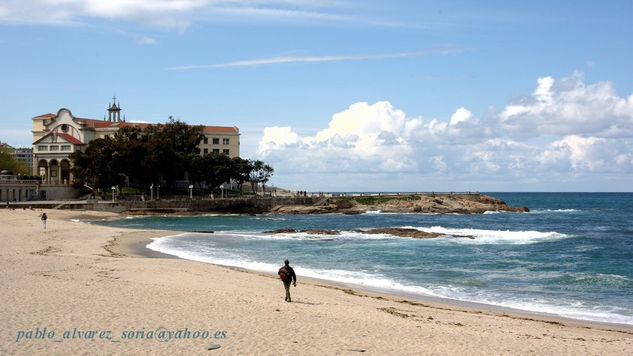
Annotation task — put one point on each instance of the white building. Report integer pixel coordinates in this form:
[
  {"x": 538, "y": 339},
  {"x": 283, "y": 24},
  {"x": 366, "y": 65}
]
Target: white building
[{"x": 56, "y": 136}]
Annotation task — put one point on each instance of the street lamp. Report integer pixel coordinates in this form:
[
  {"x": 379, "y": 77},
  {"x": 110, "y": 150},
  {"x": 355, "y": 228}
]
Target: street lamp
[
  {"x": 113, "y": 192},
  {"x": 151, "y": 192},
  {"x": 222, "y": 191},
  {"x": 191, "y": 191}
]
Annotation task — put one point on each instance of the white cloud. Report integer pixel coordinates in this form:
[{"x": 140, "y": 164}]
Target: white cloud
[
  {"x": 311, "y": 59},
  {"x": 589, "y": 154},
  {"x": 147, "y": 41},
  {"x": 570, "y": 107},
  {"x": 564, "y": 127},
  {"x": 276, "y": 138},
  {"x": 364, "y": 137},
  {"x": 461, "y": 115},
  {"x": 179, "y": 13},
  {"x": 161, "y": 13}
]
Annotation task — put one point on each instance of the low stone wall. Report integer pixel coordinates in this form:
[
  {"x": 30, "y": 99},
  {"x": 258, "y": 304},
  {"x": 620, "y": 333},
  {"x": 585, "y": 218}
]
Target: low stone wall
[{"x": 233, "y": 205}]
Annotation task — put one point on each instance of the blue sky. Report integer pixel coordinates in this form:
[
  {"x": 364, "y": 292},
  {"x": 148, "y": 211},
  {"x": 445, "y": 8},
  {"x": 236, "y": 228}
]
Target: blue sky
[{"x": 343, "y": 95}]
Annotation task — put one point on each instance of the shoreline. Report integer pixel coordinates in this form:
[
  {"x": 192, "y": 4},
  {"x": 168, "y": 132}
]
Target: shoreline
[
  {"x": 79, "y": 276},
  {"x": 140, "y": 249}
]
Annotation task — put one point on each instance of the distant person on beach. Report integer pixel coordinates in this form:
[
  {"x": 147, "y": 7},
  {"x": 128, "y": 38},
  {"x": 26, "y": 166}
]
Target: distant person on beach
[
  {"x": 287, "y": 275},
  {"x": 43, "y": 218}
]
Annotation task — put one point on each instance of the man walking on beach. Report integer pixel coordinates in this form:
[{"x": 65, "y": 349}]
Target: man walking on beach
[
  {"x": 44, "y": 217},
  {"x": 287, "y": 275}
]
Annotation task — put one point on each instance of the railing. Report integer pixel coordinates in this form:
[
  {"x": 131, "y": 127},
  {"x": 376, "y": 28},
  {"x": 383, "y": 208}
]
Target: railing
[
  {"x": 389, "y": 194},
  {"x": 20, "y": 181}
]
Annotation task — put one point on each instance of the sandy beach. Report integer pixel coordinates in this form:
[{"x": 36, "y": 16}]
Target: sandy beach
[{"x": 77, "y": 288}]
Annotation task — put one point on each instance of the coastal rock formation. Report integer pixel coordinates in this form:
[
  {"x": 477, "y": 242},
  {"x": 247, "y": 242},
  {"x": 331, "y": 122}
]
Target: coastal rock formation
[
  {"x": 418, "y": 203},
  {"x": 408, "y": 232},
  {"x": 310, "y": 231},
  {"x": 395, "y": 231}
]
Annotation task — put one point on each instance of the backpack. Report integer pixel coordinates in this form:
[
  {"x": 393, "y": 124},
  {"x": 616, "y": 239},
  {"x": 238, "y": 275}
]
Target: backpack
[{"x": 284, "y": 274}]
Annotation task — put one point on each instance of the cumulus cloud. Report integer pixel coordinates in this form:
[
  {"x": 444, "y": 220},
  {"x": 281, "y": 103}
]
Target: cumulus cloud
[
  {"x": 563, "y": 127},
  {"x": 595, "y": 154},
  {"x": 569, "y": 107},
  {"x": 376, "y": 135},
  {"x": 461, "y": 115}
]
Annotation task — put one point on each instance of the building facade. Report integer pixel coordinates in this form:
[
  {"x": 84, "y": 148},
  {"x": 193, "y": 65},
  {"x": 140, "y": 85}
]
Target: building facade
[
  {"x": 24, "y": 154},
  {"x": 56, "y": 136},
  {"x": 13, "y": 189}
]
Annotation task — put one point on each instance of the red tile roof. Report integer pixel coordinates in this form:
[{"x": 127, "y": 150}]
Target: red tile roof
[
  {"x": 103, "y": 124},
  {"x": 70, "y": 139},
  {"x": 220, "y": 129},
  {"x": 99, "y": 124},
  {"x": 49, "y": 115}
]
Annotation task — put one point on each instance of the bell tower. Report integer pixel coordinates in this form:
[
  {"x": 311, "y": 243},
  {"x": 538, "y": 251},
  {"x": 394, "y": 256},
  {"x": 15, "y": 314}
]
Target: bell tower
[{"x": 114, "y": 111}]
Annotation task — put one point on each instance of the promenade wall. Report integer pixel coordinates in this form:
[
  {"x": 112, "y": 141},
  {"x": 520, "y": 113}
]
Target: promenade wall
[{"x": 233, "y": 205}]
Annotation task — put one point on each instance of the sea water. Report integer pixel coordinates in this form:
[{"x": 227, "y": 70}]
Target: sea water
[{"x": 571, "y": 255}]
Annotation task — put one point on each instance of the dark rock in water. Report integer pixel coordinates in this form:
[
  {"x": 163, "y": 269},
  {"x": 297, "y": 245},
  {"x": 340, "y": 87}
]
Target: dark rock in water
[
  {"x": 308, "y": 231},
  {"x": 321, "y": 232},
  {"x": 395, "y": 231},
  {"x": 281, "y": 231},
  {"x": 406, "y": 232},
  {"x": 204, "y": 231}
]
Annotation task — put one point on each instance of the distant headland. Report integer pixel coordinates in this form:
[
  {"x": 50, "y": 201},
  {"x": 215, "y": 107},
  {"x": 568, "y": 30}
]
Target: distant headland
[
  {"x": 434, "y": 203},
  {"x": 440, "y": 203}
]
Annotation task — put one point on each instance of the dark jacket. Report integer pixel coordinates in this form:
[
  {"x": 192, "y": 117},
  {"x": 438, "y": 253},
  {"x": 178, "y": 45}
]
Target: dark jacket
[{"x": 291, "y": 272}]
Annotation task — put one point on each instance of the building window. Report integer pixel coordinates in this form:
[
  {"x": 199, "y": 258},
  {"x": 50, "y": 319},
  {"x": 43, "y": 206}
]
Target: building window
[
  {"x": 226, "y": 152},
  {"x": 206, "y": 150},
  {"x": 42, "y": 148},
  {"x": 216, "y": 141},
  {"x": 225, "y": 141},
  {"x": 206, "y": 141},
  {"x": 54, "y": 148},
  {"x": 65, "y": 147},
  {"x": 215, "y": 150}
]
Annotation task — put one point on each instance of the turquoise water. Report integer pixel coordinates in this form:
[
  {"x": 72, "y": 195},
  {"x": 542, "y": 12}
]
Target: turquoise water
[{"x": 572, "y": 255}]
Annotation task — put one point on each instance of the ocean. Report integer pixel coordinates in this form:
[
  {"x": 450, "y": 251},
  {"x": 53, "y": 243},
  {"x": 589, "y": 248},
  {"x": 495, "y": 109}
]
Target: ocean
[{"x": 570, "y": 256}]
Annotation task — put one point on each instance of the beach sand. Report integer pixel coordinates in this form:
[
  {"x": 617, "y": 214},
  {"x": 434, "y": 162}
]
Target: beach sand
[{"x": 75, "y": 277}]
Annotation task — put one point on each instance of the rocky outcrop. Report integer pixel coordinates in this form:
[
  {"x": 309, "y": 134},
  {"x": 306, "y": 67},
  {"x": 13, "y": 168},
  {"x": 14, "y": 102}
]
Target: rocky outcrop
[
  {"x": 312, "y": 231},
  {"x": 407, "y": 232},
  {"x": 419, "y": 203},
  {"x": 394, "y": 231}
]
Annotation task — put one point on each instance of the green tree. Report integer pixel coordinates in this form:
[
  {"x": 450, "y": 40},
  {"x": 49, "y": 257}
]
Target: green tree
[
  {"x": 241, "y": 169},
  {"x": 197, "y": 170},
  {"x": 10, "y": 162},
  {"x": 129, "y": 143},
  {"x": 260, "y": 173},
  {"x": 161, "y": 154},
  {"x": 171, "y": 146},
  {"x": 221, "y": 170},
  {"x": 99, "y": 167},
  {"x": 211, "y": 169}
]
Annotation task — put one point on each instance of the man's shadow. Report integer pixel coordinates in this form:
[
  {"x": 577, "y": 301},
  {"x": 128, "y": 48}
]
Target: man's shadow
[{"x": 302, "y": 302}]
